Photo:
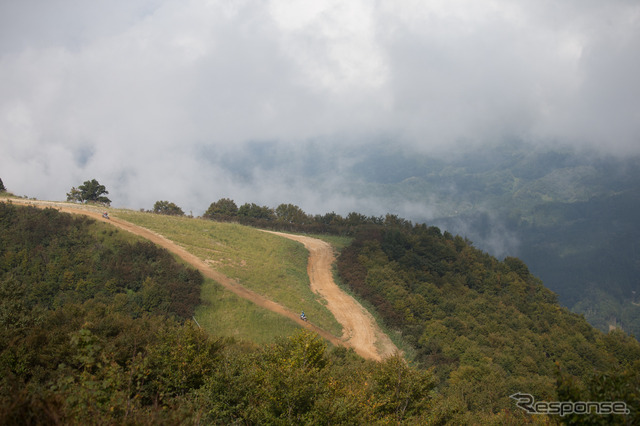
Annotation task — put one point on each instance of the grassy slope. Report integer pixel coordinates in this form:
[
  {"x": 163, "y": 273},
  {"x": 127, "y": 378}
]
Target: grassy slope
[
  {"x": 225, "y": 314},
  {"x": 270, "y": 265}
]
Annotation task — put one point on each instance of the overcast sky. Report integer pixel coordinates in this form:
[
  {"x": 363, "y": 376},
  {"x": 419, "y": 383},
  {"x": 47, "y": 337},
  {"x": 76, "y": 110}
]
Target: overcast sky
[{"x": 148, "y": 96}]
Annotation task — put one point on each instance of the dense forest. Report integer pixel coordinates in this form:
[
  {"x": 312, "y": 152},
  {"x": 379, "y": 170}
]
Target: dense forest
[
  {"x": 95, "y": 328},
  {"x": 485, "y": 328}
]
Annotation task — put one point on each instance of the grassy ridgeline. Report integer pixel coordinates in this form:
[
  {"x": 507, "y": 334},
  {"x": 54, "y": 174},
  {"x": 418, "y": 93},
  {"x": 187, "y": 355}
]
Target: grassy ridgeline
[{"x": 267, "y": 264}]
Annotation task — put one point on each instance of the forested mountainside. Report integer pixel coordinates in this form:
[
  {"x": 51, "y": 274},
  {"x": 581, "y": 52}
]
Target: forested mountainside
[
  {"x": 486, "y": 328},
  {"x": 94, "y": 327},
  {"x": 55, "y": 259}
]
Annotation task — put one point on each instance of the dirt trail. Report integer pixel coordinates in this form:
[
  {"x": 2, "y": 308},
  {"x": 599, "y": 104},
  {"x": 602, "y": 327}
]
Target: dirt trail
[{"x": 360, "y": 330}]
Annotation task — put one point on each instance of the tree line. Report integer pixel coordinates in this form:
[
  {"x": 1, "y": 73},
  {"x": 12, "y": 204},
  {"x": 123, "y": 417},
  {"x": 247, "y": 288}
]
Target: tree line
[
  {"x": 290, "y": 217},
  {"x": 285, "y": 217}
]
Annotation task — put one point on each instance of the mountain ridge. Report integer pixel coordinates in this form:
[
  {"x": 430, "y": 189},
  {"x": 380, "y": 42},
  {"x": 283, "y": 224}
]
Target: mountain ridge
[{"x": 478, "y": 330}]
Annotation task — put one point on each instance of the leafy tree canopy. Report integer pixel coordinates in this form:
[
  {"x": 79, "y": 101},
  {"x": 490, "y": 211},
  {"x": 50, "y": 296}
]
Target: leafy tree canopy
[
  {"x": 89, "y": 192},
  {"x": 168, "y": 208},
  {"x": 255, "y": 211},
  {"x": 486, "y": 328},
  {"x": 223, "y": 208},
  {"x": 291, "y": 214}
]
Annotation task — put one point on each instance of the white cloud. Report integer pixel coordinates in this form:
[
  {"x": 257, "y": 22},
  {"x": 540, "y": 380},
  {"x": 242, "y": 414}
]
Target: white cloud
[
  {"x": 131, "y": 90},
  {"x": 333, "y": 43}
]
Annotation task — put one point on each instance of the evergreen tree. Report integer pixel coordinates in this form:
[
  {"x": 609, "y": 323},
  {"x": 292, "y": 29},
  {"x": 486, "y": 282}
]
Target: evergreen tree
[{"x": 2, "y": 187}]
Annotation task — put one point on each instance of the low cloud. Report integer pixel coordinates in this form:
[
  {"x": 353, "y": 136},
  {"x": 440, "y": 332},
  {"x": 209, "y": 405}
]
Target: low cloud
[{"x": 157, "y": 98}]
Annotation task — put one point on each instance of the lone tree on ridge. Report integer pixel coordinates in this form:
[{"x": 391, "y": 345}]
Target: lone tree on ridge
[{"x": 89, "y": 192}]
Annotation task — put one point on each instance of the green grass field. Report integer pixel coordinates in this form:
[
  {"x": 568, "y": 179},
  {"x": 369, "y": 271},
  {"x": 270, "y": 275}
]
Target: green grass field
[
  {"x": 265, "y": 263},
  {"x": 225, "y": 314}
]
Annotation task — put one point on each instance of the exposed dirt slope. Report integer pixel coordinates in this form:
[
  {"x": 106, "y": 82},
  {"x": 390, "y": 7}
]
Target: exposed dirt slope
[{"x": 360, "y": 330}]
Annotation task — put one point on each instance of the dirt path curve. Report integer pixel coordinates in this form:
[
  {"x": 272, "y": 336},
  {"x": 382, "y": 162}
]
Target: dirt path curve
[
  {"x": 360, "y": 334},
  {"x": 360, "y": 329}
]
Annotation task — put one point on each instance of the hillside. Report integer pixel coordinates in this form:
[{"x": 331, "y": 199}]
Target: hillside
[
  {"x": 276, "y": 280},
  {"x": 486, "y": 328},
  {"x": 476, "y": 331},
  {"x": 95, "y": 326}
]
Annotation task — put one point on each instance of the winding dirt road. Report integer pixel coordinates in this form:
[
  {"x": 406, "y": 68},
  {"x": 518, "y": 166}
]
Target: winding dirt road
[{"x": 360, "y": 330}]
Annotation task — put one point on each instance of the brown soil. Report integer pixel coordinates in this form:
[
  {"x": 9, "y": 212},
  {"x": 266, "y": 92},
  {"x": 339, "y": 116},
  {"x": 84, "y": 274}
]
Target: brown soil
[{"x": 360, "y": 329}]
